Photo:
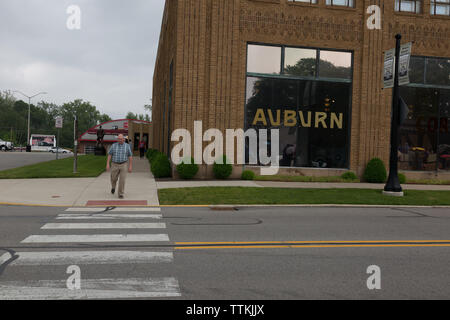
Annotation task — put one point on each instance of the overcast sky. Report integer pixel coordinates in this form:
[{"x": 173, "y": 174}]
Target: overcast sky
[{"x": 108, "y": 62}]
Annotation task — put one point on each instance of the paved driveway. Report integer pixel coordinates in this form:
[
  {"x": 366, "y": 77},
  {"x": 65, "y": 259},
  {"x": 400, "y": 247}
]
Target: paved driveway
[{"x": 10, "y": 160}]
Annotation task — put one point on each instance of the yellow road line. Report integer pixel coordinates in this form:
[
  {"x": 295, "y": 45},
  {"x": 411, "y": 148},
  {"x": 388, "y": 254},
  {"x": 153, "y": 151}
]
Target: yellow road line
[
  {"x": 309, "y": 244},
  {"x": 312, "y": 246}
]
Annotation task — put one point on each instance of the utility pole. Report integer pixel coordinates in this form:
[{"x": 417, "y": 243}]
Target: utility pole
[{"x": 75, "y": 148}]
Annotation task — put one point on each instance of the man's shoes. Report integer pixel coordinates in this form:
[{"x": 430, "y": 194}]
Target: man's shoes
[
  {"x": 120, "y": 197},
  {"x": 113, "y": 190}
]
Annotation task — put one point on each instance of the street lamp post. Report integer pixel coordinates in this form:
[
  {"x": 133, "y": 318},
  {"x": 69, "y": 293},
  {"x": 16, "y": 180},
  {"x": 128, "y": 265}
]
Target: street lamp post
[{"x": 29, "y": 112}]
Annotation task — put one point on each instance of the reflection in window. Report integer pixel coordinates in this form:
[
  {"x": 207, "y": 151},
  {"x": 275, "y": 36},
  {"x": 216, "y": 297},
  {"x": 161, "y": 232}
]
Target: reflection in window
[
  {"x": 417, "y": 70},
  {"x": 440, "y": 7},
  {"x": 438, "y": 71},
  {"x": 424, "y": 136},
  {"x": 264, "y": 59},
  {"x": 300, "y": 62},
  {"x": 335, "y": 64},
  {"x": 312, "y": 117},
  {"x": 345, "y": 3},
  {"x": 408, "y": 5}
]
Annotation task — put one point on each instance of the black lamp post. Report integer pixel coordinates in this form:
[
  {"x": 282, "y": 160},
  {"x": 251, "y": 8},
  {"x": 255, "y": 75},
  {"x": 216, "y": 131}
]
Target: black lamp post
[{"x": 393, "y": 186}]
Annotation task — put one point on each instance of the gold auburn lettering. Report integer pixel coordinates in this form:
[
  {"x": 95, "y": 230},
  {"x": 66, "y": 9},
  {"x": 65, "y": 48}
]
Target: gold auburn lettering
[{"x": 304, "y": 119}]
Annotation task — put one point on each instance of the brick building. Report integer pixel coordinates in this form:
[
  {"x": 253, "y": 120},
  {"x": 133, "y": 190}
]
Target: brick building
[{"x": 313, "y": 69}]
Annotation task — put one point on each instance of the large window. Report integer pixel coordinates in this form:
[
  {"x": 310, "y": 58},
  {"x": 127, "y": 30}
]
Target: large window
[
  {"x": 308, "y": 100},
  {"x": 345, "y": 3},
  {"x": 424, "y": 136},
  {"x": 305, "y": 1},
  {"x": 414, "y": 6},
  {"x": 440, "y": 7}
]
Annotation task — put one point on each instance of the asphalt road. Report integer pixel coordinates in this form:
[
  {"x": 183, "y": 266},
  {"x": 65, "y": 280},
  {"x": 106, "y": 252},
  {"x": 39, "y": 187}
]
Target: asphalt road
[
  {"x": 256, "y": 254},
  {"x": 11, "y": 160}
]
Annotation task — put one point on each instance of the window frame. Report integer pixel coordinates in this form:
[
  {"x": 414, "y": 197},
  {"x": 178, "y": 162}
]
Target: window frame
[
  {"x": 435, "y": 3},
  {"x": 348, "y": 5},
  {"x": 282, "y": 75},
  {"x": 409, "y": 11}
]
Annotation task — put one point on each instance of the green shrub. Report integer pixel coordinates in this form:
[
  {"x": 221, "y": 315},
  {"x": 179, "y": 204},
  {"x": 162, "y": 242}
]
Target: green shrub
[
  {"x": 160, "y": 166},
  {"x": 375, "y": 171},
  {"x": 351, "y": 176},
  {"x": 222, "y": 171},
  {"x": 248, "y": 175},
  {"x": 402, "y": 178},
  {"x": 187, "y": 170},
  {"x": 151, "y": 153}
]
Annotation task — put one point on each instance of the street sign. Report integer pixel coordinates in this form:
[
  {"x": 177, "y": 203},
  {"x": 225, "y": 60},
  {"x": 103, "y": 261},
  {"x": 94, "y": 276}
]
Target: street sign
[
  {"x": 389, "y": 65},
  {"x": 59, "y": 122},
  {"x": 403, "y": 69}
]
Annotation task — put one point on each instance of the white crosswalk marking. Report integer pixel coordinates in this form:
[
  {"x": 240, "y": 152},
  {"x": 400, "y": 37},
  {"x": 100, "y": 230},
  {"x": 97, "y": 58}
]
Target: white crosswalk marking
[
  {"x": 107, "y": 216},
  {"x": 91, "y": 289},
  {"x": 86, "y": 257},
  {"x": 94, "y": 288},
  {"x": 95, "y": 238},
  {"x": 81, "y": 226}
]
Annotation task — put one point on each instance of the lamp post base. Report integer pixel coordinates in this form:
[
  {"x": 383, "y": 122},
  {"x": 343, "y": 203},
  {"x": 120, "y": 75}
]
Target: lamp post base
[{"x": 393, "y": 194}]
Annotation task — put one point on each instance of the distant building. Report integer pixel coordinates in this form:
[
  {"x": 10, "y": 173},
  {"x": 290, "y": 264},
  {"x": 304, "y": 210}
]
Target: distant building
[
  {"x": 134, "y": 130},
  {"x": 241, "y": 64}
]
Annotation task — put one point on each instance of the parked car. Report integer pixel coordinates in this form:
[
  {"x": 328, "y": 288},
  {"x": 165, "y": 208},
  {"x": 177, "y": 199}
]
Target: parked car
[
  {"x": 6, "y": 145},
  {"x": 61, "y": 150}
]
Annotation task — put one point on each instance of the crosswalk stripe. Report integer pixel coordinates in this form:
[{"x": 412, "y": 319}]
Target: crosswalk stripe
[
  {"x": 121, "y": 209},
  {"x": 81, "y": 226},
  {"x": 86, "y": 257},
  {"x": 94, "y": 238},
  {"x": 91, "y": 289},
  {"x": 106, "y": 216}
]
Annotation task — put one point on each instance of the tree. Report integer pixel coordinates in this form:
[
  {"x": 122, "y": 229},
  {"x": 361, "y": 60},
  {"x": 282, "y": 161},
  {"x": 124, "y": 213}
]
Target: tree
[{"x": 14, "y": 119}]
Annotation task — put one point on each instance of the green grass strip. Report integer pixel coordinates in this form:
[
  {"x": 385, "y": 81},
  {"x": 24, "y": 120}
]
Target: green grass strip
[
  {"x": 275, "y": 196},
  {"x": 88, "y": 166}
]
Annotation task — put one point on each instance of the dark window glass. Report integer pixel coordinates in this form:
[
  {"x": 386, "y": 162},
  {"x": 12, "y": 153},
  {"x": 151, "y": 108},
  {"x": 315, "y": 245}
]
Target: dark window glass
[
  {"x": 417, "y": 70},
  {"x": 438, "y": 71},
  {"x": 335, "y": 64},
  {"x": 264, "y": 59},
  {"x": 444, "y": 135},
  {"x": 300, "y": 62},
  {"x": 418, "y": 134}
]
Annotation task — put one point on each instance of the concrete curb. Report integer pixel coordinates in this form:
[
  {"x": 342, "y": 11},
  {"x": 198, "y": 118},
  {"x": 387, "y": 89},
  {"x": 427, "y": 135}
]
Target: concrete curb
[{"x": 232, "y": 206}]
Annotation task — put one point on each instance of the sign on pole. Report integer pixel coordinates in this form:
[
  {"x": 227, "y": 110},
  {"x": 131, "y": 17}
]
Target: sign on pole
[
  {"x": 59, "y": 122},
  {"x": 389, "y": 65},
  {"x": 403, "y": 69}
]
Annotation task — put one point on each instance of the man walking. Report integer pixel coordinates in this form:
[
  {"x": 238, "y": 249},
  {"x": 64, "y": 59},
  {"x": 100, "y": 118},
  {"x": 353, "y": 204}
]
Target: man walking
[{"x": 120, "y": 154}]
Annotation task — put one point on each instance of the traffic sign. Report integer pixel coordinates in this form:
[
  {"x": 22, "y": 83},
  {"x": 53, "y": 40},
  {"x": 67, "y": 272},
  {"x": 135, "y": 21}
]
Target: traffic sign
[{"x": 59, "y": 122}]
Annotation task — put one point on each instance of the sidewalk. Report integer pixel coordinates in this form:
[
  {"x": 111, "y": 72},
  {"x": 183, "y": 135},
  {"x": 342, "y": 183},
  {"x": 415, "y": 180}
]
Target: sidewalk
[{"x": 140, "y": 190}]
